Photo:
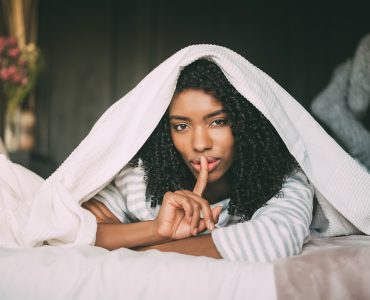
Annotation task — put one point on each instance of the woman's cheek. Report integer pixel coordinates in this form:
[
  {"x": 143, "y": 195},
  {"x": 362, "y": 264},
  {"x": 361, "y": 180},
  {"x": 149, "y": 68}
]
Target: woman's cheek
[{"x": 178, "y": 142}]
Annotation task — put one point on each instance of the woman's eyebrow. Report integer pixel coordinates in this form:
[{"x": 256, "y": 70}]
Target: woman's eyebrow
[
  {"x": 181, "y": 118},
  {"x": 215, "y": 113},
  {"x": 210, "y": 115}
]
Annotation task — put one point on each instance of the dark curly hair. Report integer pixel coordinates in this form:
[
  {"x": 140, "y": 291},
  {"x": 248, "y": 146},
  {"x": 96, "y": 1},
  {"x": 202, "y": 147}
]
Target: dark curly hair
[{"x": 264, "y": 162}]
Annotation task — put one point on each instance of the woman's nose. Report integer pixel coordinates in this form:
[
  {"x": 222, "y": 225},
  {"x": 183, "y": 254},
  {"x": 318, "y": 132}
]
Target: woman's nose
[{"x": 201, "y": 140}]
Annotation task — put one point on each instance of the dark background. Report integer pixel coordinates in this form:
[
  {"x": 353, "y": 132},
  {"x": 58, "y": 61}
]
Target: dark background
[{"x": 96, "y": 51}]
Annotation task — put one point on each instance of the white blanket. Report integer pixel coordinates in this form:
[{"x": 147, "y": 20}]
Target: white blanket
[
  {"x": 342, "y": 186},
  {"x": 88, "y": 272},
  {"x": 18, "y": 187}
]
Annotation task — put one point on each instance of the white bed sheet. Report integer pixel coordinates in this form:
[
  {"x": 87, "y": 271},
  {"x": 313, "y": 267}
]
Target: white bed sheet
[{"x": 88, "y": 272}]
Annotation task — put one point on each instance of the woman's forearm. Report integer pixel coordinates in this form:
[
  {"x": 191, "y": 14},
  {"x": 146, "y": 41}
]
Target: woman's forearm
[
  {"x": 114, "y": 236},
  {"x": 201, "y": 245}
]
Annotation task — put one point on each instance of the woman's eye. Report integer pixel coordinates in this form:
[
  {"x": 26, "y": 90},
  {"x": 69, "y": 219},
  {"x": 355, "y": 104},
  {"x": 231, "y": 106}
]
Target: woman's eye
[
  {"x": 179, "y": 127},
  {"x": 220, "y": 122}
]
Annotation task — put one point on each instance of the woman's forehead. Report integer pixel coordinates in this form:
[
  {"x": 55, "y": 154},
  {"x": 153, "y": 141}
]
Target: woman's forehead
[{"x": 194, "y": 100}]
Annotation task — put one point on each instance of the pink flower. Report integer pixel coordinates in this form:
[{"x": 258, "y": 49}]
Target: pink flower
[
  {"x": 24, "y": 81},
  {"x": 8, "y": 73},
  {"x": 4, "y": 74},
  {"x": 17, "y": 78},
  {"x": 17, "y": 68},
  {"x": 12, "y": 70},
  {"x": 14, "y": 52}
]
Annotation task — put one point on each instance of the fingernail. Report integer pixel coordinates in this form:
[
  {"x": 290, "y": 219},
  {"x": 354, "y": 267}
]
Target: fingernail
[
  {"x": 195, "y": 231},
  {"x": 211, "y": 225}
]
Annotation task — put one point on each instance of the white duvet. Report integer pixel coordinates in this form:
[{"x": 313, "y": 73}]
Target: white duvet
[{"x": 89, "y": 272}]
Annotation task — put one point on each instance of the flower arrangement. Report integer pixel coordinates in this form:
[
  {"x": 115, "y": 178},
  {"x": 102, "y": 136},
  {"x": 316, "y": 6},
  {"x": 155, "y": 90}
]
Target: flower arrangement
[{"x": 18, "y": 70}]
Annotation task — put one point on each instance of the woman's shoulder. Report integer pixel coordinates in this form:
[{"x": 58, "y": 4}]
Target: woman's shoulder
[{"x": 298, "y": 182}]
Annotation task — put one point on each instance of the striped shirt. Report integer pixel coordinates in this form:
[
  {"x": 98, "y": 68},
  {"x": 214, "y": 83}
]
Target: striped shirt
[{"x": 278, "y": 229}]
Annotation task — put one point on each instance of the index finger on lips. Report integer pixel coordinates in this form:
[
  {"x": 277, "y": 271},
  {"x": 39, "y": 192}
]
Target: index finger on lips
[{"x": 201, "y": 183}]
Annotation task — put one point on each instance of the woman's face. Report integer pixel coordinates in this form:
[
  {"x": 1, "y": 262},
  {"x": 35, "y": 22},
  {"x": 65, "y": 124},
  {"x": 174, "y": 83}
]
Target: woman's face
[{"x": 200, "y": 127}]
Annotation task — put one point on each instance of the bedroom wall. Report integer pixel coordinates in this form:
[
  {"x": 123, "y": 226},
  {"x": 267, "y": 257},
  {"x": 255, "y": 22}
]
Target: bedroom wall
[{"x": 96, "y": 51}]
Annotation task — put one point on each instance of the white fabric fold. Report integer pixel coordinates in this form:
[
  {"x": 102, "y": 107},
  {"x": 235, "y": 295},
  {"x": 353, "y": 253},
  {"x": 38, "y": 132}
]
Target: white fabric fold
[
  {"x": 17, "y": 188},
  {"x": 56, "y": 214}
]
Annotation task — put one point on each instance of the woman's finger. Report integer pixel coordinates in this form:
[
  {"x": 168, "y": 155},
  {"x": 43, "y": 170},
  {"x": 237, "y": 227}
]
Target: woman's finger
[
  {"x": 183, "y": 201},
  {"x": 196, "y": 218},
  {"x": 206, "y": 211},
  {"x": 216, "y": 214},
  {"x": 202, "y": 180},
  {"x": 216, "y": 211}
]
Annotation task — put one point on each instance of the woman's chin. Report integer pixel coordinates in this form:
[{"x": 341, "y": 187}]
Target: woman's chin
[{"x": 213, "y": 179}]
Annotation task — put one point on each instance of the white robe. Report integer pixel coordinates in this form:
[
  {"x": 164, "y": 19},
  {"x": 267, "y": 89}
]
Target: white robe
[{"x": 342, "y": 186}]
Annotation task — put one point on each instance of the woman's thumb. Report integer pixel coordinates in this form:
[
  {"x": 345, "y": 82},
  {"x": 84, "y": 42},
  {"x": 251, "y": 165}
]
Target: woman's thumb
[{"x": 216, "y": 211}]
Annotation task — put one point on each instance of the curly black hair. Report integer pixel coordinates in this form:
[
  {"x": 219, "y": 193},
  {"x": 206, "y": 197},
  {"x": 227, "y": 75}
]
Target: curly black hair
[{"x": 264, "y": 162}]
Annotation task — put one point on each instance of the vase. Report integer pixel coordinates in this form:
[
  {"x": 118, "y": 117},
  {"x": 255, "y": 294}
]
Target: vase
[
  {"x": 12, "y": 128},
  {"x": 27, "y": 138},
  {"x": 18, "y": 129}
]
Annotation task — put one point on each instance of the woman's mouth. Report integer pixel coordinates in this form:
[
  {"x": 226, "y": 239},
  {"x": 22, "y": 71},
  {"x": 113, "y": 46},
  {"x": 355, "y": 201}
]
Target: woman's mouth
[{"x": 212, "y": 162}]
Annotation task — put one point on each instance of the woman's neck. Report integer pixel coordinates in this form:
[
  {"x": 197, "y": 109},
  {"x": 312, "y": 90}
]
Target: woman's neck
[{"x": 217, "y": 191}]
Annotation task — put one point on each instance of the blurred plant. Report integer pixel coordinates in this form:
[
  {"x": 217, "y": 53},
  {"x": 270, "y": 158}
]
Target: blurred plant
[{"x": 18, "y": 70}]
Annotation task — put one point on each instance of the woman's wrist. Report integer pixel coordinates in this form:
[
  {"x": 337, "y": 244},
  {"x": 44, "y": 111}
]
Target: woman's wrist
[
  {"x": 201, "y": 245},
  {"x": 155, "y": 233}
]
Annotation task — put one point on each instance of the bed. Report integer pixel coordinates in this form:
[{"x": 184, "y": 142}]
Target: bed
[{"x": 331, "y": 268}]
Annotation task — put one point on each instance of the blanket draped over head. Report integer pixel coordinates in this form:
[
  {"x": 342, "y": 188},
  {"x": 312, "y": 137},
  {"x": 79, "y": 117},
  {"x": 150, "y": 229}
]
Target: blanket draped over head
[{"x": 342, "y": 186}]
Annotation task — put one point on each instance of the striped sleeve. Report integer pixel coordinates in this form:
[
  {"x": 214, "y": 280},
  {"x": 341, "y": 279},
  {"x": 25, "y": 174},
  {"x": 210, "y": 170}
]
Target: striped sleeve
[
  {"x": 125, "y": 195},
  {"x": 278, "y": 229},
  {"x": 114, "y": 195},
  {"x": 114, "y": 200}
]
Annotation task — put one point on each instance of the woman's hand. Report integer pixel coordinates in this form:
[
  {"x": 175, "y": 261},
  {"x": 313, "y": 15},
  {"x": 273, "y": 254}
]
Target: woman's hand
[{"x": 184, "y": 213}]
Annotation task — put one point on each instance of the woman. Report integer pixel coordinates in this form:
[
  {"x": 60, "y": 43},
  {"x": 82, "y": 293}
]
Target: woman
[
  {"x": 211, "y": 148},
  {"x": 115, "y": 143}
]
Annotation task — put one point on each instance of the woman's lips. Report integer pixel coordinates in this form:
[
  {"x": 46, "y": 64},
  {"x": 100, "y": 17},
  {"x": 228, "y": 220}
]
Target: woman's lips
[{"x": 212, "y": 164}]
